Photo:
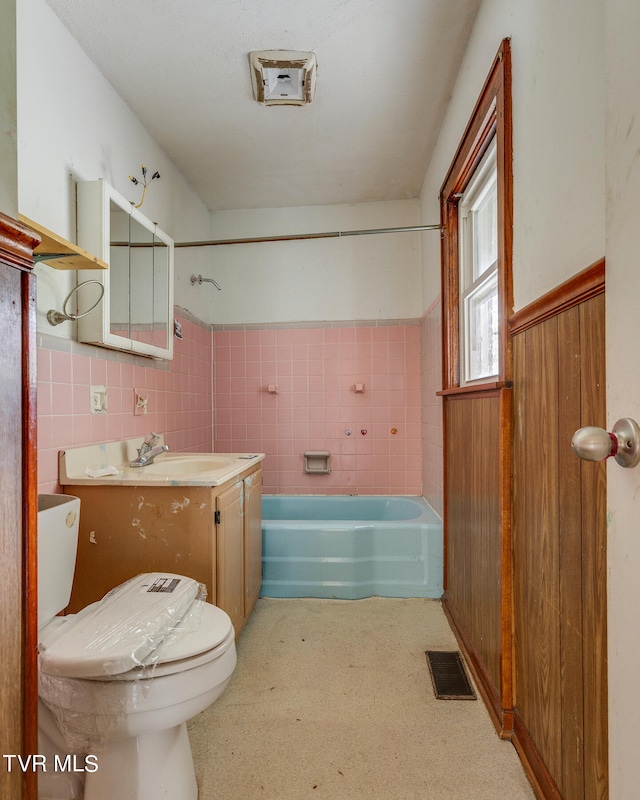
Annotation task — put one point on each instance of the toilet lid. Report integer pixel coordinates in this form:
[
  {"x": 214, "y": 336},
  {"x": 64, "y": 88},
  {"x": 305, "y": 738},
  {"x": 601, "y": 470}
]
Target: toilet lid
[
  {"x": 212, "y": 627},
  {"x": 122, "y": 630}
]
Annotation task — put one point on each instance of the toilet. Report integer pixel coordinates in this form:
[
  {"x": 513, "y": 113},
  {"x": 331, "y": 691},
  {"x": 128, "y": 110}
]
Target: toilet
[{"x": 119, "y": 680}]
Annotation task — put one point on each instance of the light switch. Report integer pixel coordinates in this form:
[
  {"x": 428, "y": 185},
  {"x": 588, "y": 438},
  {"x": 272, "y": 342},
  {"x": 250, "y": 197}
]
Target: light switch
[{"x": 98, "y": 399}]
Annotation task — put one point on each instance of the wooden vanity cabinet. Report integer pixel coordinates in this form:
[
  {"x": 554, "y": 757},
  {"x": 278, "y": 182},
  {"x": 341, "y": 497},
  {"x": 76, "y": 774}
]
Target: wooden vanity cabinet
[{"x": 210, "y": 533}]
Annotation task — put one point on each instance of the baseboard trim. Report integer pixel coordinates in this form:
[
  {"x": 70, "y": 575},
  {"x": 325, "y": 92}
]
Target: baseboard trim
[{"x": 538, "y": 774}]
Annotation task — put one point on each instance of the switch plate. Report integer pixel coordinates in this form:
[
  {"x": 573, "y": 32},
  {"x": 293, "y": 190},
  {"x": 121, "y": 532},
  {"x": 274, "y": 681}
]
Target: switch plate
[
  {"x": 98, "y": 399},
  {"x": 140, "y": 401}
]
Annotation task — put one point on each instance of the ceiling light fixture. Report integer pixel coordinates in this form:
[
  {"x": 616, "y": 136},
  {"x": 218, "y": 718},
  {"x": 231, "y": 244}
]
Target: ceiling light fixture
[{"x": 283, "y": 77}]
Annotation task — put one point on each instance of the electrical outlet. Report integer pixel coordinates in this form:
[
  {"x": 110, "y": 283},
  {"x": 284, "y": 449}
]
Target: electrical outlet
[
  {"x": 140, "y": 400},
  {"x": 98, "y": 399}
]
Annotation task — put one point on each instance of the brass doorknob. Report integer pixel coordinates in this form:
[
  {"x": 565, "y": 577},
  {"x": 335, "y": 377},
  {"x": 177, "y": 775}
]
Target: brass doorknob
[{"x": 596, "y": 444}]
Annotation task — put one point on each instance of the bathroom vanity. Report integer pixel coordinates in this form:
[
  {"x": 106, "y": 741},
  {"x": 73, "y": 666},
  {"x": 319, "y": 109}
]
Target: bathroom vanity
[{"x": 198, "y": 515}]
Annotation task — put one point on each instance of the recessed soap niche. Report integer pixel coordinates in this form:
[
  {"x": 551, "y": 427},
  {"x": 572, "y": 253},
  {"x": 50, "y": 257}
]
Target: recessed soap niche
[{"x": 317, "y": 461}]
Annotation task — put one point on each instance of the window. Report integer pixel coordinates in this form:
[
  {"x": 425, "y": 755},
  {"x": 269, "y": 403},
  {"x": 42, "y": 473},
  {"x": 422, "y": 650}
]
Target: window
[
  {"x": 478, "y": 258},
  {"x": 476, "y": 217}
]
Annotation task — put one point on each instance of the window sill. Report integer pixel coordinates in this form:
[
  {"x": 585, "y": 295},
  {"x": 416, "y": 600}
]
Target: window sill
[{"x": 474, "y": 388}]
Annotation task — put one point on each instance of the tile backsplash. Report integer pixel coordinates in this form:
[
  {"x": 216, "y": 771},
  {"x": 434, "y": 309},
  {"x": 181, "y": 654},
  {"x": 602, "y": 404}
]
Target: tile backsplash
[
  {"x": 178, "y": 396},
  {"x": 364, "y": 392},
  {"x": 291, "y": 389}
]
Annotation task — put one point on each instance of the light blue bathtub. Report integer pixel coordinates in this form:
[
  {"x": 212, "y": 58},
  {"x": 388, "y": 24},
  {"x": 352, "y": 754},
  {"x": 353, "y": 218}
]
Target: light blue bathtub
[{"x": 350, "y": 547}]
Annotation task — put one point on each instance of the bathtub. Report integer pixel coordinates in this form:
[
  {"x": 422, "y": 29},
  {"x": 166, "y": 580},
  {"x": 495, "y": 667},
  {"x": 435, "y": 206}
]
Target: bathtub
[{"x": 350, "y": 547}]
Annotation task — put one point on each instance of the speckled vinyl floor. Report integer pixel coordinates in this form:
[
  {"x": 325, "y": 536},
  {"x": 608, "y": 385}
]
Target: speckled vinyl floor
[{"x": 333, "y": 699}]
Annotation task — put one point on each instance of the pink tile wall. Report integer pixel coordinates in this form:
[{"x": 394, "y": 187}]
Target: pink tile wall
[
  {"x": 431, "y": 382},
  {"x": 315, "y": 370},
  {"x": 179, "y": 394}
]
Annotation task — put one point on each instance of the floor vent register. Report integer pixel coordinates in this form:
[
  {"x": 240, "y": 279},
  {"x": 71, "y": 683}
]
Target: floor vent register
[{"x": 449, "y": 676}]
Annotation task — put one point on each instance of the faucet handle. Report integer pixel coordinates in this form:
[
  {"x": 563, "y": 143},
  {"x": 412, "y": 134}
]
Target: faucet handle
[{"x": 149, "y": 443}]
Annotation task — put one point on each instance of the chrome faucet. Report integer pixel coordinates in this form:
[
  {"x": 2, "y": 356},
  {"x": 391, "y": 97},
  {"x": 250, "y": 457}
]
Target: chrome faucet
[{"x": 148, "y": 450}]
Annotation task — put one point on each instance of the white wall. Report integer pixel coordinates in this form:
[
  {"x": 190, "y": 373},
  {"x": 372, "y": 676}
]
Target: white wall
[
  {"x": 348, "y": 278},
  {"x": 8, "y": 145},
  {"x": 623, "y": 387},
  {"x": 73, "y": 126},
  {"x": 558, "y": 138}
]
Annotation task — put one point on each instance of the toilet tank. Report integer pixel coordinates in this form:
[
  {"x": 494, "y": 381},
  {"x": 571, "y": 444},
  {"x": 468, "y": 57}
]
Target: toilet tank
[{"x": 58, "y": 518}]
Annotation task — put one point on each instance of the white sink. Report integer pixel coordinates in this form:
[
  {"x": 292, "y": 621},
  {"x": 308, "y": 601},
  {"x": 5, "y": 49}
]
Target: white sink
[
  {"x": 192, "y": 464},
  {"x": 169, "y": 469}
]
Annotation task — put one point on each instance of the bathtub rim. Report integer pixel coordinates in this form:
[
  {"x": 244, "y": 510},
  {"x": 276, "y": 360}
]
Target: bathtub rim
[{"x": 426, "y": 516}]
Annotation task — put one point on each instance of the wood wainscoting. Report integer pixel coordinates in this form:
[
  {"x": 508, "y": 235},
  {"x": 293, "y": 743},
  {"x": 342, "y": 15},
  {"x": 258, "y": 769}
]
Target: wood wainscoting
[
  {"x": 525, "y": 541},
  {"x": 559, "y": 542},
  {"x": 477, "y": 596}
]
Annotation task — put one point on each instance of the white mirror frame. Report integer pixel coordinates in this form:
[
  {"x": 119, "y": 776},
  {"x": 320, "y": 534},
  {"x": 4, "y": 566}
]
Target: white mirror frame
[{"x": 94, "y": 199}]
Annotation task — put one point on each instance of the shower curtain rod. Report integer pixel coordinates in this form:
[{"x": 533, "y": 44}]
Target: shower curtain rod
[{"x": 297, "y": 236}]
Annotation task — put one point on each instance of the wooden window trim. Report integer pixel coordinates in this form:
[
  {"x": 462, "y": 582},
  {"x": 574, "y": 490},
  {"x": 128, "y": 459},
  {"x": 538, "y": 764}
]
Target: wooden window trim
[
  {"x": 491, "y": 117},
  {"x": 475, "y": 389}
]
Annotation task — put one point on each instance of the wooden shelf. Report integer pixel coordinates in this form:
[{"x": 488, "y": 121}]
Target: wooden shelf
[{"x": 58, "y": 252}]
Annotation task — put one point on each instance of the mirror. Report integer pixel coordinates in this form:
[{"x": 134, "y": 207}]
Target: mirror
[{"x": 137, "y": 312}]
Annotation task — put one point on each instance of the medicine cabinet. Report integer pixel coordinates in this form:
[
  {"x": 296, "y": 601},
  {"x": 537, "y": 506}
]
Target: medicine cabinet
[{"x": 136, "y": 313}]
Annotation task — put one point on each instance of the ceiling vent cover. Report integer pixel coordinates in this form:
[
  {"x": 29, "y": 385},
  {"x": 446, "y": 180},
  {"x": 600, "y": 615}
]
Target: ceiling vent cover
[{"x": 283, "y": 77}]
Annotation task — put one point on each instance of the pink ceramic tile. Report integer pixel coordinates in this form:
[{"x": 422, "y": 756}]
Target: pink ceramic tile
[
  {"x": 331, "y": 338},
  {"x": 62, "y": 432},
  {"x": 114, "y": 376},
  {"x": 315, "y": 351},
  {"x": 44, "y": 432},
  {"x": 61, "y": 367},
  {"x": 44, "y": 398},
  {"x": 81, "y": 370},
  {"x": 98, "y": 372},
  {"x": 253, "y": 338},
  {"x": 61, "y": 398},
  {"x": 284, "y": 337},
  {"x": 44, "y": 364}
]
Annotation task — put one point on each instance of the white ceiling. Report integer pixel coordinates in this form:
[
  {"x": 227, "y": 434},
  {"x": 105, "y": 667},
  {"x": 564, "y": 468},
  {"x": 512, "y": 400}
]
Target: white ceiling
[{"x": 386, "y": 69}]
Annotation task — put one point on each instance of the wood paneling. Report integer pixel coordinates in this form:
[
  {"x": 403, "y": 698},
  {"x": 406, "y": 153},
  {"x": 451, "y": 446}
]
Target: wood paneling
[
  {"x": 559, "y": 553},
  {"x": 473, "y": 556}
]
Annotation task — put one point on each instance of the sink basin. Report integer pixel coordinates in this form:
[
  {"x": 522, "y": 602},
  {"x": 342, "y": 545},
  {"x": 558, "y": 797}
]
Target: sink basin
[
  {"x": 188, "y": 465},
  {"x": 108, "y": 465}
]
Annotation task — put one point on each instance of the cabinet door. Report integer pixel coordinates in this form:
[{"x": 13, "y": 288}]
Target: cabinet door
[
  {"x": 230, "y": 565},
  {"x": 252, "y": 540}
]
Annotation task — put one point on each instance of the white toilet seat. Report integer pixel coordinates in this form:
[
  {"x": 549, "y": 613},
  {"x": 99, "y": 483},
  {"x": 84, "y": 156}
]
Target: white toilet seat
[{"x": 84, "y": 646}]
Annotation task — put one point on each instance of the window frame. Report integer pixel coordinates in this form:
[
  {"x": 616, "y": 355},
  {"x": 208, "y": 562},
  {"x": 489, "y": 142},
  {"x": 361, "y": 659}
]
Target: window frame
[
  {"x": 490, "y": 121},
  {"x": 473, "y": 284}
]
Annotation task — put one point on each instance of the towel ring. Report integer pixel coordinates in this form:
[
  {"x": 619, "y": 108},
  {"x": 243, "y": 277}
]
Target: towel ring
[{"x": 56, "y": 317}]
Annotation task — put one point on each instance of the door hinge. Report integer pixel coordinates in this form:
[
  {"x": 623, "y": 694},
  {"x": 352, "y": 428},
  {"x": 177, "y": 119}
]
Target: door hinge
[{"x": 216, "y": 517}]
